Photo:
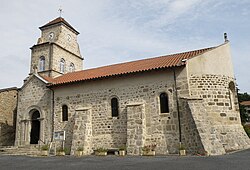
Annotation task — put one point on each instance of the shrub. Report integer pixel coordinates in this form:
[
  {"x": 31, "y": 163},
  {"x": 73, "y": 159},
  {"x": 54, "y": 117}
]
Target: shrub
[
  {"x": 60, "y": 149},
  {"x": 80, "y": 148},
  {"x": 67, "y": 151},
  {"x": 148, "y": 148},
  {"x": 45, "y": 148},
  {"x": 101, "y": 150},
  {"x": 181, "y": 147},
  {"x": 247, "y": 129},
  {"x": 122, "y": 148}
]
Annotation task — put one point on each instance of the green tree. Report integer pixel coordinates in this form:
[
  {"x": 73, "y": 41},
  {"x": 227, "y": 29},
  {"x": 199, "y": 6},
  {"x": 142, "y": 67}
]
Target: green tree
[{"x": 243, "y": 97}]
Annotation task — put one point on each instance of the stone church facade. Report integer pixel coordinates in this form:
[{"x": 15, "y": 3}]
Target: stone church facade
[{"x": 188, "y": 98}]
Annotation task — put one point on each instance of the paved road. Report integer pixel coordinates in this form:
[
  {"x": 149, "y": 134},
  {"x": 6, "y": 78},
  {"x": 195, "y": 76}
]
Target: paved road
[{"x": 235, "y": 161}]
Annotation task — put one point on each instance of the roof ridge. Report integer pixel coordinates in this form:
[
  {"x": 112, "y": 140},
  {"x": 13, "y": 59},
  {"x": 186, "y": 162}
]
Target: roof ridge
[{"x": 59, "y": 20}]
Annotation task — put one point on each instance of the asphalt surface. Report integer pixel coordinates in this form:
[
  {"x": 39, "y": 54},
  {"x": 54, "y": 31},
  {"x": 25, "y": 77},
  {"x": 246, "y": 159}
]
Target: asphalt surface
[{"x": 234, "y": 161}]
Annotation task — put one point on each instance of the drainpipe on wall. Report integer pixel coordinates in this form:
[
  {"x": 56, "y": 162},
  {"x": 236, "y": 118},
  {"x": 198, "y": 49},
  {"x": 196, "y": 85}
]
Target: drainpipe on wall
[
  {"x": 53, "y": 113},
  {"x": 178, "y": 110}
]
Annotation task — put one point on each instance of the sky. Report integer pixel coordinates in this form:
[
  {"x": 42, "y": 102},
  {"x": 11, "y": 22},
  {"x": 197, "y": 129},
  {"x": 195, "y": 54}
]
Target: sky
[{"x": 114, "y": 31}]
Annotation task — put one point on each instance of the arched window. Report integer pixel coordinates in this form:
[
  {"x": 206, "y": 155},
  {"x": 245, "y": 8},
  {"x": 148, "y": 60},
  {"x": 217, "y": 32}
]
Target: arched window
[
  {"x": 62, "y": 65},
  {"x": 232, "y": 95},
  {"x": 114, "y": 107},
  {"x": 164, "y": 103},
  {"x": 64, "y": 113},
  {"x": 71, "y": 67},
  {"x": 42, "y": 63}
]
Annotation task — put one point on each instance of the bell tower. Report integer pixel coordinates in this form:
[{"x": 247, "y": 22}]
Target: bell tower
[{"x": 57, "y": 51}]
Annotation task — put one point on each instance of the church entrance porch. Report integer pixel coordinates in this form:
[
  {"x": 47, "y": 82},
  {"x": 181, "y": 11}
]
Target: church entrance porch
[
  {"x": 35, "y": 128},
  {"x": 31, "y": 128}
]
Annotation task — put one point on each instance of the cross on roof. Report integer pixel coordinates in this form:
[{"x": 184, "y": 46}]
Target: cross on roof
[{"x": 60, "y": 11}]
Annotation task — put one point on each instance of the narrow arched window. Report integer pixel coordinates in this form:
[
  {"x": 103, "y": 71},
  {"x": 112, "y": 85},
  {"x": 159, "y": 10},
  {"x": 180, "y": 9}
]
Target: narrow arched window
[
  {"x": 232, "y": 95},
  {"x": 64, "y": 113},
  {"x": 42, "y": 63},
  {"x": 114, "y": 107},
  {"x": 164, "y": 103},
  {"x": 62, "y": 65},
  {"x": 71, "y": 67}
]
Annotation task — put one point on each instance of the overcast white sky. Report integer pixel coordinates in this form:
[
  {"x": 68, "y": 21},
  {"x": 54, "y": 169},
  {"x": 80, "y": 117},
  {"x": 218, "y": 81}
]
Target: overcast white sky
[{"x": 115, "y": 31}]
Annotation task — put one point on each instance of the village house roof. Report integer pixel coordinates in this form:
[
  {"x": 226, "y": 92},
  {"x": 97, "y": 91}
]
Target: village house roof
[
  {"x": 245, "y": 103},
  {"x": 8, "y": 89},
  {"x": 168, "y": 61},
  {"x": 58, "y": 21}
]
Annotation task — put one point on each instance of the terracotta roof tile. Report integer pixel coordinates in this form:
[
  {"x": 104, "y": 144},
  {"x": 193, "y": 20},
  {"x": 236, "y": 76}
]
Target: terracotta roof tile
[
  {"x": 245, "y": 103},
  {"x": 46, "y": 78},
  {"x": 167, "y": 61},
  {"x": 56, "y": 21}
]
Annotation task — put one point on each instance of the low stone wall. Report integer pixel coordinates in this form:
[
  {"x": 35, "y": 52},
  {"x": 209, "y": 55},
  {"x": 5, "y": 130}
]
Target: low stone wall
[
  {"x": 8, "y": 104},
  {"x": 7, "y": 135}
]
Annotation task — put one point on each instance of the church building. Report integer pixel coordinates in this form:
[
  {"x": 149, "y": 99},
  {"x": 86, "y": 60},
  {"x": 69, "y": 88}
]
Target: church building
[{"x": 186, "y": 98}]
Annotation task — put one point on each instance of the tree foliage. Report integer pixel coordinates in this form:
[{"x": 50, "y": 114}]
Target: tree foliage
[{"x": 243, "y": 97}]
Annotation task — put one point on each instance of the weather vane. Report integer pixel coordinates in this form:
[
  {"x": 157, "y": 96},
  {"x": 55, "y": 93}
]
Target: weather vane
[{"x": 60, "y": 11}]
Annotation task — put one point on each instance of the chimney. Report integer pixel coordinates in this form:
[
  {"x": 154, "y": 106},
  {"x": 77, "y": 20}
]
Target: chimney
[{"x": 225, "y": 37}]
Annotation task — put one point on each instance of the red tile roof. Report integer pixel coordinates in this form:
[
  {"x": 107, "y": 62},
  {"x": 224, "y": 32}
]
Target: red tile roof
[
  {"x": 245, "y": 103},
  {"x": 46, "y": 78},
  {"x": 167, "y": 61},
  {"x": 59, "y": 20}
]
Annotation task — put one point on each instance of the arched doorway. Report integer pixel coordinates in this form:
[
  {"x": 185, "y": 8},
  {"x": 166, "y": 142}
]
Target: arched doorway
[{"x": 35, "y": 128}]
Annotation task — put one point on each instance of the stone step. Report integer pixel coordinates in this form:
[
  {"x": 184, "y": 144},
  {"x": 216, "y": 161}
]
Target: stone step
[{"x": 24, "y": 150}]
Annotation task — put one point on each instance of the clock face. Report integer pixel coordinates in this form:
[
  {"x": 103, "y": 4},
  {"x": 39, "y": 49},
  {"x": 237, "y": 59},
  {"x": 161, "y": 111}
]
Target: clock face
[
  {"x": 69, "y": 37},
  {"x": 51, "y": 35}
]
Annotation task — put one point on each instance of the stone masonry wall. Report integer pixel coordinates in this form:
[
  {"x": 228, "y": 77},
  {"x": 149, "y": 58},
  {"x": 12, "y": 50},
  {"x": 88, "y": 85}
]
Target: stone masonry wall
[
  {"x": 83, "y": 126},
  {"x": 136, "y": 128},
  {"x": 61, "y": 37},
  {"x": 222, "y": 111},
  {"x": 112, "y": 132},
  {"x": 60, "y": 46},
  {"x": 34, "y": 95},
  {"x": 60, "y": 53},
  {"x": 197, "y": 136},
  {"x": 8, "y": 104},
  {"x": 37, "y": 52},
  {"x": 191, "y": 139}
]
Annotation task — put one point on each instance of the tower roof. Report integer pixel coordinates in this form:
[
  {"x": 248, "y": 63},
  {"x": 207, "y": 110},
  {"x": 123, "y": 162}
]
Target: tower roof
[{"x": 59, "y": 20}]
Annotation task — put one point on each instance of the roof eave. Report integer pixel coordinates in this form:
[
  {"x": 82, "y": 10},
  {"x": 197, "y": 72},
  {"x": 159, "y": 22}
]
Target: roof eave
[
  {"x": 60, "y": 23},
  {"x": 109, "y": 76}
]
